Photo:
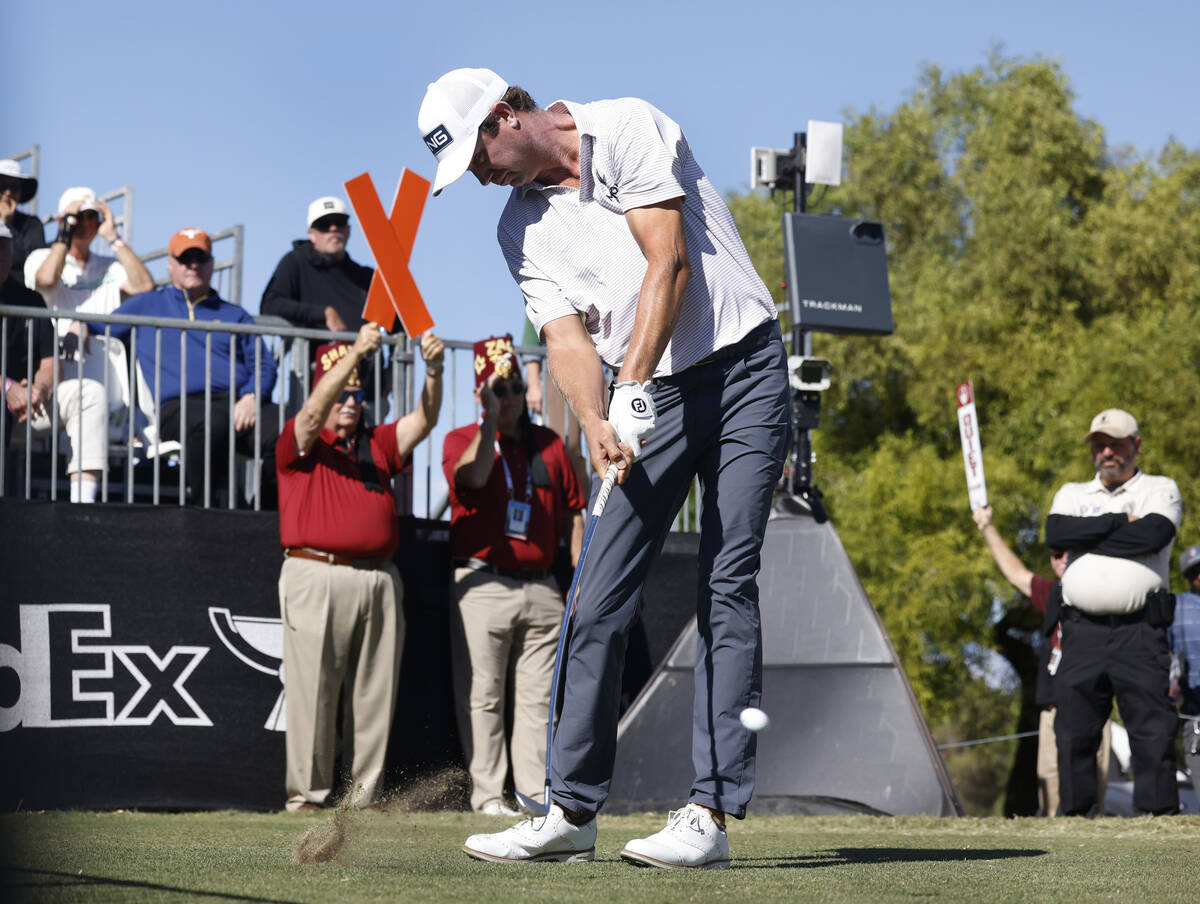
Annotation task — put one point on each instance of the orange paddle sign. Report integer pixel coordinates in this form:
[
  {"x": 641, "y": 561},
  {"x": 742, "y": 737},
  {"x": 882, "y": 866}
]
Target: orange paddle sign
[{"x": 393, "y": 290}]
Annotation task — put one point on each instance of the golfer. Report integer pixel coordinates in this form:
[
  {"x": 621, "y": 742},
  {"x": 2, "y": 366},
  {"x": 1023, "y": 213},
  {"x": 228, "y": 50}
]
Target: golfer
[{"x": 627, "y": 257}]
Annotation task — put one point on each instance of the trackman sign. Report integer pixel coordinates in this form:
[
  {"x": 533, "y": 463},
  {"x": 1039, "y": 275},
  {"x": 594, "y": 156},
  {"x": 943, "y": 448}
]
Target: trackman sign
[{"x": 72, "y": 675}]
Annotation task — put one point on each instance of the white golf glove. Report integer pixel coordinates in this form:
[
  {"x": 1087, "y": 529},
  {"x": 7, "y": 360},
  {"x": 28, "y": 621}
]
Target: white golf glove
[{"x": 631, "y": 413}]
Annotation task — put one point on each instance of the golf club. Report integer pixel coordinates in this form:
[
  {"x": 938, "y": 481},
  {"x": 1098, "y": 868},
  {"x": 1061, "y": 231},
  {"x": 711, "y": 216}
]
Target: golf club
[{"x": 610, "y": 479}]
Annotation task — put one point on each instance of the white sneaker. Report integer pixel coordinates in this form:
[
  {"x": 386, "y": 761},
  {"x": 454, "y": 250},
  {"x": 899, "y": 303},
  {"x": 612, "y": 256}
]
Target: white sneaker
[
  {"x": 538, "y": 838},
  {"x": 498, "y": 808},
  {"x": 691, "y": 840}
]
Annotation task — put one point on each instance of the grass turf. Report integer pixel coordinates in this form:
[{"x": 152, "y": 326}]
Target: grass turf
[{"x": 406, "y": 857}]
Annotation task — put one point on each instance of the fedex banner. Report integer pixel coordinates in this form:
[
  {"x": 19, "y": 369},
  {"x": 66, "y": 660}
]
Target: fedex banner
[{"x": 141, "y": 652}]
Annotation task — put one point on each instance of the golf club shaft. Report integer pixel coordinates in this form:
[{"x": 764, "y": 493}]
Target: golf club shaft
[{"x": 610, "y": 479}]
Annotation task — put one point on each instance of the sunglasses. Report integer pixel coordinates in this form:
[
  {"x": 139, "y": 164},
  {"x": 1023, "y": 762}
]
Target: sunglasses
[
  {"x": 12, "y": 185},
  {"x": 357, "y": 394},
  {"x": 194, "y": 257},
  {"x": 501, "y": 389},
  {"x": 324, "y": 224}
]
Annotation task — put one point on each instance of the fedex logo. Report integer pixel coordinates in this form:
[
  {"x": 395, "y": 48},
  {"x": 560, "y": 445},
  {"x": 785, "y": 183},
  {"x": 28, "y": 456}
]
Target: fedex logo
[{"x": 71, "y": 676}]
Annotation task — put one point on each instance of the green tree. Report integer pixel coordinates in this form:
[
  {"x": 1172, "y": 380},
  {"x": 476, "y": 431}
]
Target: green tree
[{"x": 1059, "y": 275}]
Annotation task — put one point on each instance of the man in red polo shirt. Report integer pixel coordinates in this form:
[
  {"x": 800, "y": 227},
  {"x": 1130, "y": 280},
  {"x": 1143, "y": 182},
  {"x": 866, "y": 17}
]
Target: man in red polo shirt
[
  {"x": 339, "y": 590},
  {"x": 514, "y": 497}
]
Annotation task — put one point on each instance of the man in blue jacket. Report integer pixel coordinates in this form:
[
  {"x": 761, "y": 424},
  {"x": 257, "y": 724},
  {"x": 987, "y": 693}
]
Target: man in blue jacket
[{"x": 191, "y": 297}]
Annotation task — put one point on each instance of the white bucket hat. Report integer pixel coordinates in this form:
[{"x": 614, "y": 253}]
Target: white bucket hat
[{"x": 450, "y": 115}]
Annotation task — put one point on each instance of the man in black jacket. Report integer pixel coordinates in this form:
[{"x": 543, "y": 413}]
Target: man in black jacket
[
  {"x": 317, "y": 284},
  {"x": 1118, "y": 530}
]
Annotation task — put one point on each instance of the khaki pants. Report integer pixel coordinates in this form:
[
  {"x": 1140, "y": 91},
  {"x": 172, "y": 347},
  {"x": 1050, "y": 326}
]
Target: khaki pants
[
  {"x": 343, "y": 633},
  {"x": 1047, "y": 765},
  {"x": 83, "y": 414},
  {"x": 503, "y": 635}
]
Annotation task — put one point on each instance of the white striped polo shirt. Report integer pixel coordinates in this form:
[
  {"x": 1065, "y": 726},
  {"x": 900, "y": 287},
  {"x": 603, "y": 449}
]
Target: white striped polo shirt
[
  {"x": 571, "y": 250},
  {"x": 1110, "y": 585}
]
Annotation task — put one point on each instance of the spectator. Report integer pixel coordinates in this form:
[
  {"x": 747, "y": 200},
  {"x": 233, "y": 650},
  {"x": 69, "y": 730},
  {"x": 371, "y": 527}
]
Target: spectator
[
  {"x": 27, "y": 234},
  {"x": 553, "y": 408},
  {"x": 1118, "y": 530},
  {"x": 1184, "y": 635},
  {"x": 26, "y": 389},
  {"x": 514, "y": 497},
  {"x": 317, "y": 284},
  {"x": 626, "y": 255},
  {"x": 1045, "y": 596},
  {"x": 71, "y": 278},
  {"x": 190, "y": 296},
  {"x": 339, "y": 591}
]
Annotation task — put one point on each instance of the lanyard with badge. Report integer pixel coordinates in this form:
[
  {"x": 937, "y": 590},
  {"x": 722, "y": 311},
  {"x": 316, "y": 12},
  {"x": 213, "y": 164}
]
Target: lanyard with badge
[{"x": 516, "y": 517}]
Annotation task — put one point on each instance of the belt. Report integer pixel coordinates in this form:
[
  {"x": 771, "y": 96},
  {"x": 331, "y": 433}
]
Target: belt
[
  {"x": 516, "y": 574},
  {"x": 329, "y": 558},
  {"x": 1112, "y": 621},
  {"x": 755, "y": 339}
]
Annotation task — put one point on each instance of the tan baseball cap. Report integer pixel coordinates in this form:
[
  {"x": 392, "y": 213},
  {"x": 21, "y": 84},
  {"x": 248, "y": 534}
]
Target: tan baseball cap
[{"x": 1113, "y": 422}]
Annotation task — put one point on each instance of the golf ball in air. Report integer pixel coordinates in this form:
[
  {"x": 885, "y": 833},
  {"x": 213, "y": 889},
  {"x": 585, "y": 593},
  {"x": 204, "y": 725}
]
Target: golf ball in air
[{"x": 755, "y": 719}]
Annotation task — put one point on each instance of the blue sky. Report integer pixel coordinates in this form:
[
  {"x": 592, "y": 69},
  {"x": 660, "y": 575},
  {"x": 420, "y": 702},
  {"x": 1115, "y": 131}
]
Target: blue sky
[{"x": 243, "y": 112}]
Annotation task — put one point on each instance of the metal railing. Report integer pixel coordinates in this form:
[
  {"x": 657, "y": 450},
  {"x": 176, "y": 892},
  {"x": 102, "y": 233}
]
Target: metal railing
[
  {"x": 135, "y": 447},
  {"x": 144, "y": 466}
]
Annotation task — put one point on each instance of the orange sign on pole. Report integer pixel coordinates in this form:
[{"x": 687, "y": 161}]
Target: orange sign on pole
[{"x": 393, "y": 290}]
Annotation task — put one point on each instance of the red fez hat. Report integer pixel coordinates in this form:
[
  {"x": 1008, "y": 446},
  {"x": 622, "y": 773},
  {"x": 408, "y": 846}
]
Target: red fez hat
[
  {"x": 328, "y": 356},
  {"x": 495, "y": 355}
]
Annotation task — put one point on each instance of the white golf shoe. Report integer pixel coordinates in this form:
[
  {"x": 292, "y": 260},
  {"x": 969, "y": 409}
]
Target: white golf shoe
[
  {"x": 538, "y": 838},
  {"x": 691, "y": 840}
]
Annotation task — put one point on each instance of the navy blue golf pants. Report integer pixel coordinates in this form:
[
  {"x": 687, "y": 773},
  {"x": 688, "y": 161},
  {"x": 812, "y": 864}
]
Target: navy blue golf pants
[{"x": 726, "y": 422}]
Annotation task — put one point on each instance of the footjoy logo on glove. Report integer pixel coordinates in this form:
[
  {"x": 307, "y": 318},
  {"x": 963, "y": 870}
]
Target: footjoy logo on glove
[{"x": 638, "y": 406}]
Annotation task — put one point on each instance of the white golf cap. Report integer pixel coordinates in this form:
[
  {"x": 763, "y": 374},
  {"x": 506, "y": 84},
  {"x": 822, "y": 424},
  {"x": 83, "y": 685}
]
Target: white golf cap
[
  {"x": 450, "y": 115},
  {"x": 323, "y": 207},
  {"x": 78, "y": 193},
  {"x": 1113, "y": 422}
]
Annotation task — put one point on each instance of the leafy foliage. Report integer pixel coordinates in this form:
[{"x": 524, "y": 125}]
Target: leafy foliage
[{"x": 1059, "y": 275}]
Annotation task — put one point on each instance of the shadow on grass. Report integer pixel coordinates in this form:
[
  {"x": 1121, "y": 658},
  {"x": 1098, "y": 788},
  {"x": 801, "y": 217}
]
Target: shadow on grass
[
  {"x": 68, "y": 880},
  {"x": 848, "y": 856}
]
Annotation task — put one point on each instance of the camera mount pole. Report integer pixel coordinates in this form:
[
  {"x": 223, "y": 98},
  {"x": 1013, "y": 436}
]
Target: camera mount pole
[{"x": 806, "y": 404}]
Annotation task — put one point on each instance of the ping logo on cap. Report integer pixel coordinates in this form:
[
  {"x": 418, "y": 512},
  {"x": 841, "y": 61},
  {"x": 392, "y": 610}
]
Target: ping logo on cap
[{"x": 438, "y": 140}]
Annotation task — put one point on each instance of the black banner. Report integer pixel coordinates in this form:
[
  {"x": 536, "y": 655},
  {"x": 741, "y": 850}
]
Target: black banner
[{"x": 140, "y": 650}]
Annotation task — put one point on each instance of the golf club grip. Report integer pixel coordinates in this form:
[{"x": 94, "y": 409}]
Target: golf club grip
[{"x": 610, "y": 480}]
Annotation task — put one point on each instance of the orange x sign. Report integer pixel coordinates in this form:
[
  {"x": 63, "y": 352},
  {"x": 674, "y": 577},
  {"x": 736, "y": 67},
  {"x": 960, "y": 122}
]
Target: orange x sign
[{"x": 393, "y": 290}]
